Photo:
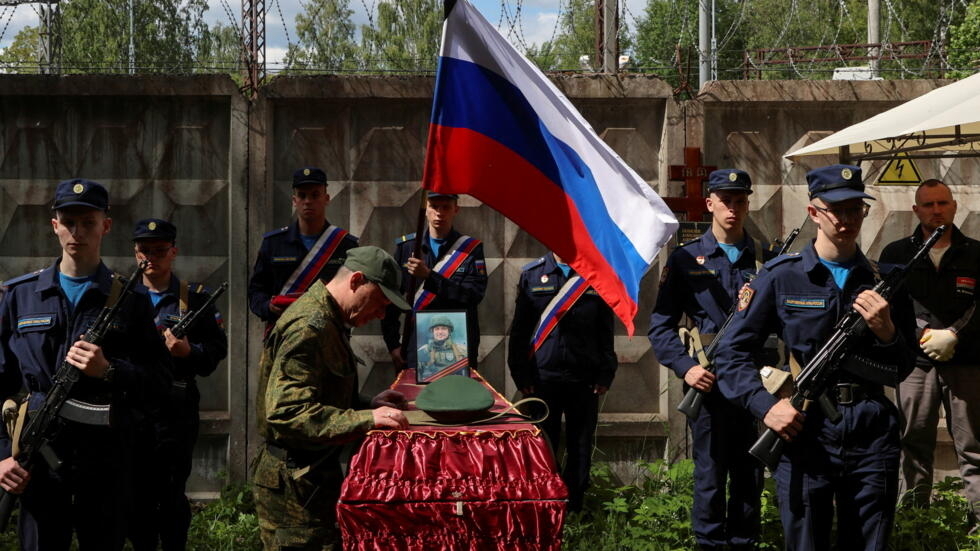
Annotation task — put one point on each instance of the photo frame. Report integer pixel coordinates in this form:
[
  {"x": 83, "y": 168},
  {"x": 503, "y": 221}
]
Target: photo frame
[{"x": 442, "y": 344}]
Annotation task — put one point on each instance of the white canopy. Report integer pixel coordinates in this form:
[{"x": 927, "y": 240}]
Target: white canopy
[{"x": 946, "y": 119}]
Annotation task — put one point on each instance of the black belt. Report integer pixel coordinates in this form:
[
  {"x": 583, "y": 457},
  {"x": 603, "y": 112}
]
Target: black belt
[
  {"x": 846, "y": 394},
  {"x": 293, "y": 459}
]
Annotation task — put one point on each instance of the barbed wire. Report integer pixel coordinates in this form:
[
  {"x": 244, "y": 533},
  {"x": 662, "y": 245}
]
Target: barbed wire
[
  {"x": 9, "y": 16},
  {"x": 282, "y": 20},
  {"x": 802, "y": 63}
]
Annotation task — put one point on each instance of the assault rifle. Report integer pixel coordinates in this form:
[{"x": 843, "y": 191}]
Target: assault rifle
[
  {"x": 690, "y": 405},
  {"x": 45, "y": 424},
  {"x": 812, "y": 381},
  {"x": 180, "y": 329}
]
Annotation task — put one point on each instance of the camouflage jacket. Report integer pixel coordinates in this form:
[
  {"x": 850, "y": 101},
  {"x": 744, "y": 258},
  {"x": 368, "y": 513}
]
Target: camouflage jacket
[{"x": 308, "y": 379}]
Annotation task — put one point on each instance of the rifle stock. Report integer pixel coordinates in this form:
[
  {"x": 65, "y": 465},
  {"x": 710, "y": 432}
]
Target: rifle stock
[
  {"x": 693, "y": 399},
  {"x": 812, "y": 381},
  {"x": 44, "y": 425}
]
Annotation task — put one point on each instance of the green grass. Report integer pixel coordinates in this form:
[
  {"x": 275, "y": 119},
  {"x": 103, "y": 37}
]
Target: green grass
[{"x": 652, "y": 514}]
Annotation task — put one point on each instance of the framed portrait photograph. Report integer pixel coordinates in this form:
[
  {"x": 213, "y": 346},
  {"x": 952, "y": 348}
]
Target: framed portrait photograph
[{"x": 441, "y": 336}]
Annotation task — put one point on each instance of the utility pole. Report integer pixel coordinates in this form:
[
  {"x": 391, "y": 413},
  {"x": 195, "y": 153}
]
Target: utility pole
[
  {"x": 704, "y": 47},
  {"x": 49, "y": 33},
  {"x": 874, "y": 36},
  {"x": 607, "y": 36},
  {"x": 132, "y": 43},
  {"x": 714, "y": 44},
  {"x": 253, "y": 27}
]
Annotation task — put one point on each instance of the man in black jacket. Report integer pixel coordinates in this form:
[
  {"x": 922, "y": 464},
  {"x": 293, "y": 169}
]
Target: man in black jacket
[
  {"x": 947, "y": 367},
  {"x": 561, "y": 350}
]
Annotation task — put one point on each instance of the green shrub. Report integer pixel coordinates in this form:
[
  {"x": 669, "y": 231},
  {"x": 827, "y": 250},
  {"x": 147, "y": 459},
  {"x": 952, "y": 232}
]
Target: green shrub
[
  {"x": 226, "y": 524},
  {"x": 654, "y": 515},
  {"x": 942, "y": 526}
]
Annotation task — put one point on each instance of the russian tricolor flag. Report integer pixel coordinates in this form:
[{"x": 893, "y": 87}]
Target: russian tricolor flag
[{"x": 501, "y": 132}]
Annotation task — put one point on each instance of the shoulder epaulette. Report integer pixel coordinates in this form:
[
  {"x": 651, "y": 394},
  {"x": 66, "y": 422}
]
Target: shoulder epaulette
[
  {"x": 21, "y": 279},
  {"x": 532, "y": 264},
  {"x": 404, "y": 238},
  {"x": 781, "y": 259},
  {"x": 275, "y": 232},
  {"x": 686, "y": 243}
]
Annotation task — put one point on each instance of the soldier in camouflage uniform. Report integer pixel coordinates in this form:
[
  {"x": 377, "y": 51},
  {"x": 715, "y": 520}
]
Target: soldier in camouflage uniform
[
  {"x": 440, "y": 351},
  {"x": 306, "y": 400}
]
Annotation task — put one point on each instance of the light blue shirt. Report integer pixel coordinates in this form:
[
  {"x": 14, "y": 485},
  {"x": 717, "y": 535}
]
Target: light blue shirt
[
  {"x": 308, "y": 240},
  {"x": 156, "y": 297},
  {"x": 733, "y": 252},
  {"x": 436, "y": 245},
  {"x": 565, "y": 268},
  {"x": 840, "y": 270},
  {"x": 74, "y": 287}
]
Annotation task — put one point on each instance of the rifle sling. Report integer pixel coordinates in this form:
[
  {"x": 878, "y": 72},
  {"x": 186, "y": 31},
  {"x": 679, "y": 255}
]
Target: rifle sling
[
  {"x": 183, "y": 302},
  {"x": 19, "y": 427}
]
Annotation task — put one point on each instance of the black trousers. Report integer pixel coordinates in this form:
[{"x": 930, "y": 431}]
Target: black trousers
[{"x": 580, "y": 407}]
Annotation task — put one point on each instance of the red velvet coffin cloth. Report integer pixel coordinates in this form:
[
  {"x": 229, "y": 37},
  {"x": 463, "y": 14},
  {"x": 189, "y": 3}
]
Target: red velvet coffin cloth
[{"x": 452, "y": 488}]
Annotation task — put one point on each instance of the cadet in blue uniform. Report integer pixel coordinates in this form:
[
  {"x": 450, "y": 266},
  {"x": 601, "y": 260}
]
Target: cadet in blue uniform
[
  {"x": 570, "y": 367},
  {"x": 43, "y": 315},
  {"x": 458, "y": 285},
  {"x": 195, "y": 355},
  {"x": 284, "y": 250},
  {"x": 851, "y": 464},
  {"x": 701, "y": 280}
]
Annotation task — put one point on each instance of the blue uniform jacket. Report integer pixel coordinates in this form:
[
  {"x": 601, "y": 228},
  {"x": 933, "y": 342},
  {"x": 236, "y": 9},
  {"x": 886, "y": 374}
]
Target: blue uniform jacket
[
  {"x": 701, "y": 282},
  {"x": 796, "y": 298},
  {"x": 578, "y": 350},
  {"x": 37, "y": 328},
  {"x": 281, "y": 252},
  {"x": 209, "y": 344},
  {"x": 462, "y": 290}
]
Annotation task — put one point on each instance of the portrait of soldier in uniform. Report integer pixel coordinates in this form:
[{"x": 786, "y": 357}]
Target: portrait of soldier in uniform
[{"x": 444, "y": 351}]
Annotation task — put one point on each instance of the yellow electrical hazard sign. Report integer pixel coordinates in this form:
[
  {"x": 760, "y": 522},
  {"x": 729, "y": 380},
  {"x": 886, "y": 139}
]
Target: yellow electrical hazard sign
[{"x": 900, "y": 171}]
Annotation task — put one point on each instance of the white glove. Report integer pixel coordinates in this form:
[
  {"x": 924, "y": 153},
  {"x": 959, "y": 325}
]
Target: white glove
[{"x": 939, "y": 344}]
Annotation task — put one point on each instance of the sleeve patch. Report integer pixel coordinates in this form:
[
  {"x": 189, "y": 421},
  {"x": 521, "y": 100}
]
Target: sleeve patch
[{"x": 745, "y": 297}]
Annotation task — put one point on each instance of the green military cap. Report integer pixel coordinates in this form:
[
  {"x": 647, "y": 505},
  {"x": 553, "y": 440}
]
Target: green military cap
[
  {"x": 379, "y": 267},
  {"x": 455, "y": 399},
  {"x": 441, "y": 320}
]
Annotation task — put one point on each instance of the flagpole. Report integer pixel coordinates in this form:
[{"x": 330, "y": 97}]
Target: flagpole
[{"x": 417, "y": 249}]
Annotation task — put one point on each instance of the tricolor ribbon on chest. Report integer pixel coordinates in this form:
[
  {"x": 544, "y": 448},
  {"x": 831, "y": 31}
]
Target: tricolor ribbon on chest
[
  {"x": 458, "y": 253},
  {"x": 316, "y": 258},
  {"x": 560, "y": 304}
]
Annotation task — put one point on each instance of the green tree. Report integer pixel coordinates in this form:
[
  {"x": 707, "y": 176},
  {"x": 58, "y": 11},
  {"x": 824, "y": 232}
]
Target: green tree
[
  {"x": 326, "y": 38},
  {"x": 964, "y": 42},
  {"x": 575, "y": 38},
  {"x": 95, "y": 35},
  {"x": 167, "y": 35},
  {"x": 667, "y": 40},
  {"x": 220, "y": 50},
  {"x": 21, "y": 56},
  {"x": 404, "y": 36}
]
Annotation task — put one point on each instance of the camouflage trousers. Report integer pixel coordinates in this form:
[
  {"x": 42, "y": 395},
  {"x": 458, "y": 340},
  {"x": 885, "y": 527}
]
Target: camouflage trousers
[{"x": 295, "y": 514}]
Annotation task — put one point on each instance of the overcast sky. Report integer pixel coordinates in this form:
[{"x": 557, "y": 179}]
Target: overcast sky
[{"x": 537, "y": 18}]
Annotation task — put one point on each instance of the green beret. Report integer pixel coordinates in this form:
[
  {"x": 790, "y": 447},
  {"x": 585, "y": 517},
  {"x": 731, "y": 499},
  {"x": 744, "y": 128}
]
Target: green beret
[{"x": 455, "y": 399}]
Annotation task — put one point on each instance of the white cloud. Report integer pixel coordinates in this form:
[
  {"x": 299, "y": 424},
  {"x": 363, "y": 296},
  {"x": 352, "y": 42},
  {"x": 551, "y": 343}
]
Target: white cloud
[
  {"x": 274, "y": 56},
  {"x": 542, "y": 29}
]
